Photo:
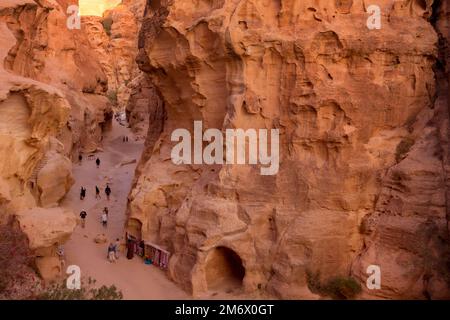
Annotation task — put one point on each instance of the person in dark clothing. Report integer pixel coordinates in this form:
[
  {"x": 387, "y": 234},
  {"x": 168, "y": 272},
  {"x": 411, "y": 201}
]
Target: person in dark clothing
[
  {"x": 97, "y": 162},
  {"x": 97, "y": 193},
  {"x": 82, "y": 193},
  {"x": 83, "y": 215},
  {"x": 80, "y": 158},
  {"x": 130, "y": 249},
  {"x": 107, "y": 191}
]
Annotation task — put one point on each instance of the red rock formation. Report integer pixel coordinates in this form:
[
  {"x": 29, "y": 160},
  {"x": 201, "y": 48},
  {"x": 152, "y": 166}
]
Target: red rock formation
[
  {"x": 53, "y": 104},
  {"x": 408, "y": 231},
  {"x": 114, "y": 39},
  {"x": 363, "y": 144}
]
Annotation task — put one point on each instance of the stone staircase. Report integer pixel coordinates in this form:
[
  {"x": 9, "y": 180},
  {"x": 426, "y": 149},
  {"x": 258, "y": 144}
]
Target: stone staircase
[{"x": 38, "y": 168}]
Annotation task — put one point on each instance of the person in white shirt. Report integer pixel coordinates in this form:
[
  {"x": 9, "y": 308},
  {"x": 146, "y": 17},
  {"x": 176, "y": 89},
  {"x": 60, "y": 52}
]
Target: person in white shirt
[
  {"x": 104, "y": 219},
  {"x": 60, "y": 253}
]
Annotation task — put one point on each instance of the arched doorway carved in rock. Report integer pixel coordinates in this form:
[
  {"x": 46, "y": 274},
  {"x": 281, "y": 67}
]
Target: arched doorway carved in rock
[
  {"x": 134, "y": 228},
  {"x": 224, "y": 270}
]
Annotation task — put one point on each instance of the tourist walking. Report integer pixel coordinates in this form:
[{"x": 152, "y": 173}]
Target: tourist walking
[
  {"x": 107, "y": 191},
  {"x": 62, "y": 260},
  {"x": 97, "y": 162},
  {"x": 111, "y": 252},
  {"x": 105, "y": 210},
  {"x": 83, "y": 215},
  {"x": 130, "y": 249},
  {"x": 80, "y": 158},
  {"x": 104, "y": 219},
  {"x": 97, "y": 193},
  {"x": 82, "y": 193}
]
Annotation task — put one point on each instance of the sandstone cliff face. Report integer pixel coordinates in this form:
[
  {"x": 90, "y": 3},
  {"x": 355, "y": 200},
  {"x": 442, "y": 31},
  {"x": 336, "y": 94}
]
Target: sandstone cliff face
[
  {"x": 363, "y": 145},
  {"x": 143, "y": 102},
  {"x": 33, "y": 114},
  {"x": 47, "y": 51},
  {"x": 114, "y": 39},
  {"x": 53, "y": 105},
  {"x": 408, "y": 230},
  {"x": 45, "y": 229}
]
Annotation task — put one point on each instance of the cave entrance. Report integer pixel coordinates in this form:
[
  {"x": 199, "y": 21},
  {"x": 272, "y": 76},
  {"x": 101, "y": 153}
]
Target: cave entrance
[
  {"x": 134, "y": 228},
  {"x": 224, "y": 270}
]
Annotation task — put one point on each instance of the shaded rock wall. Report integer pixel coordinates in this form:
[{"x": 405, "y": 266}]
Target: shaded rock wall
[
  {"x": 408, "y": 231},
  {"x": 363, "y": 143},
  {"x": 144, "y": 101}
]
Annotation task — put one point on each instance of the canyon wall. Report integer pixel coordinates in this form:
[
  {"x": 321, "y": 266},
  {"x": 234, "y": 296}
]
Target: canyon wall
[
  {"x": 53, "y": 105},
  {"x": 363, "y": 122},
  {"x": 408, "y": 230},
  {"x": 114, "y": 40}
]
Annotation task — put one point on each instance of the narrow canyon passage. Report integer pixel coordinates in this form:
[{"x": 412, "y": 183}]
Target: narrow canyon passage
[
  {"x": 292, "y": 151},
  {"x": 135, "y": 279}
]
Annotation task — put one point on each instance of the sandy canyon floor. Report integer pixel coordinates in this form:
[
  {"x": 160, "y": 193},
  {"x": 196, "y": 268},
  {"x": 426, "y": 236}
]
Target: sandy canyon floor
[{"x": 135, "y": 279}]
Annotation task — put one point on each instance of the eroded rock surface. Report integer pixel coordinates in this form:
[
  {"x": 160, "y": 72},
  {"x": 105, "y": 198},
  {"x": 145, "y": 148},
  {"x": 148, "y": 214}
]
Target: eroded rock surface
[
  {"x": 46, "y": 229},
  {"x": 363, "y": 146},
  {"x": 53, "y": 105},
  {"x": 114, "y": 39}
]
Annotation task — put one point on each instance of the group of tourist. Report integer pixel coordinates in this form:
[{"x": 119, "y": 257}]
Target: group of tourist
[
  {"x": 113, "y": 248},
  {"x": 104, "y": 216},
  {"x": 83, "y": 214},
  {"x": 107, "y": 192}
]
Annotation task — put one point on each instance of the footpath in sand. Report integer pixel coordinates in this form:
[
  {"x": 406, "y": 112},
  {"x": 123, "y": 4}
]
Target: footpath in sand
[{"x": 135, "y": 279}]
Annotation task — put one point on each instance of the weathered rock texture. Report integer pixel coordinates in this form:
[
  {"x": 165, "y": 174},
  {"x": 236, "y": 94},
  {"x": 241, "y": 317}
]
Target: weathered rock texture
[
  {"x": 114, "y": 39},
  {"x": 53, "y": 105},
  {"x": 143, "y": 102},
  {"x": 408, "y": 231},
  {"x": 364, "y": 143},
  {"x": 45, "y": 229}
]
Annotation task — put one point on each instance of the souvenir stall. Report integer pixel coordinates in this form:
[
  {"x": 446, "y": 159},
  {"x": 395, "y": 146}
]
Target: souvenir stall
[{"x": 154, "y": 254}]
